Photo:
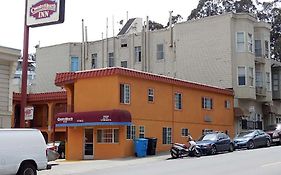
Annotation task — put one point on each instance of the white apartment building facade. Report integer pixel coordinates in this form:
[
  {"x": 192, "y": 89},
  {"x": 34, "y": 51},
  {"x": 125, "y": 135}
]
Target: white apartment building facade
[
  {"x": 229, "y": 51},
  {"x": 8, "y": 63}
]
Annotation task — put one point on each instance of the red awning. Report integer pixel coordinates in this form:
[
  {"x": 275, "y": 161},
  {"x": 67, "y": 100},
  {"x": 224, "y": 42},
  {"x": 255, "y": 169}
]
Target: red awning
[{"x": 94, "y": 118}]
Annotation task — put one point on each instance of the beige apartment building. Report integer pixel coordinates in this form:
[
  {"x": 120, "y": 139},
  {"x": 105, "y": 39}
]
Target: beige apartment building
[
  {"x": 8, "y": 63},
  {"x": 230, "y": 51}
]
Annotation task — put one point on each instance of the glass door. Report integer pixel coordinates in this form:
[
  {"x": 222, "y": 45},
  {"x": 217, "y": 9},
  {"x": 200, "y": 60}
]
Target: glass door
[{"x": 88, "y": 143}]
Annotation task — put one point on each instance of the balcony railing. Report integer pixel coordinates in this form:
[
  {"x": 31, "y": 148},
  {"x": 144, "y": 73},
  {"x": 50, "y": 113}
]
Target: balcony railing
[
  {"x": 261, "y": 91},
  {"x": 260, "y": 60}
]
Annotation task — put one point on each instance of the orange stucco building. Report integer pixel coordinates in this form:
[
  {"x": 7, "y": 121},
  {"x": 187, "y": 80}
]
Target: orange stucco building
[{"x": 109, "y": 108}]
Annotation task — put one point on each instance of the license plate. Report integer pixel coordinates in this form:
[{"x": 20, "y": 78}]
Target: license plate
[{"x": 276, "y": 140}]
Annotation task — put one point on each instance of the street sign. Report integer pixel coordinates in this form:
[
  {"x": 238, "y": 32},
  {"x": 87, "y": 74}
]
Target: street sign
[
  {"x": 44, "y": 12},
  {"x": 28, "y": 113}
]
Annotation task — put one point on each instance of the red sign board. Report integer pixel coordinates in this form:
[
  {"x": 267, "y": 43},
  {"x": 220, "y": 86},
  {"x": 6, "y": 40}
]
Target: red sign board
[{"x": 45, "y": 12}]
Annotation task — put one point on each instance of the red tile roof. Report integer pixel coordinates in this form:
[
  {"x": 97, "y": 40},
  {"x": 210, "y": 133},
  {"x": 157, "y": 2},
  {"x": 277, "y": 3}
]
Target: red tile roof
[
  {"x": 70, "y": 77},
  {"x": 48, "y": 96}
]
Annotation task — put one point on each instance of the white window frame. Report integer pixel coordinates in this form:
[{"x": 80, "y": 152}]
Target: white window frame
[
  {"x": 150, "y": 95},
  {"x": 126, "y": 99},
  {"x": 168, "y": 136},
  {"x": 94, "y": 57},
  {"x": 245, "y": 70},
  {"x": 227, "y": 104},
  {"x": 123, "y": 63},
  {"x": 138, "y": 54},
  {"x": 251, "y": 77},
  {"x": 111, "y": 59},
  {"x": 103, "y": 136},
  {"x": 278, "y": 119},
  {"x": 131, "y": 132},
  {"x": 250, "y": 42},
  {"x": 275, "y": 78},
  {"x": 258, "y": 50},
  {"x": 178, "y": 100},
  {"x": 184, "y": 132},
  {"x": 268, "y": 81},
  {"x": 266, "y": 49},
  {"x": 207, "y": 103},
  {"x": 160, "y": 53},
  {"x": 240, "y": 43},
  {"x": 141, "y": 131}
]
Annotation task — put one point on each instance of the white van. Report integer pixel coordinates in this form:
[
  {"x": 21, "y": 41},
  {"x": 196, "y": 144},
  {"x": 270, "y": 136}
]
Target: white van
[{"x": 22, "y": 152}]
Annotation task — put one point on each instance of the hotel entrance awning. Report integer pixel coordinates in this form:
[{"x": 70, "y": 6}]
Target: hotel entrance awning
[{"x": 94, "y": 118}]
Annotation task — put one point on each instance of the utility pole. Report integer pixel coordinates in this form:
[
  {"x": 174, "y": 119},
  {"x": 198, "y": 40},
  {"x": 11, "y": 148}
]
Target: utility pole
[{"x": 24, "y": 71}]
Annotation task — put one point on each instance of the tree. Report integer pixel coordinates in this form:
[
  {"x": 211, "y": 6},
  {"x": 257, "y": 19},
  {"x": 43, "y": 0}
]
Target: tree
[{"x": 154, "y": 25}]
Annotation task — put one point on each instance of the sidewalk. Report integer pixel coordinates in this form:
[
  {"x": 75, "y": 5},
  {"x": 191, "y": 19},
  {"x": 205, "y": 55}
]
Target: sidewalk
[{"x": 65, "y": 167}]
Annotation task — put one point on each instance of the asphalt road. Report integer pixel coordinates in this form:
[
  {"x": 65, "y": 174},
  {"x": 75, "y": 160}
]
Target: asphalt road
[{"x": 263, "y": 161}]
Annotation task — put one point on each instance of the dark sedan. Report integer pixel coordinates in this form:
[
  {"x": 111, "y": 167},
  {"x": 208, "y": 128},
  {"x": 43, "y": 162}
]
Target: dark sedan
[
  {"x": 252, "y": 139},
  {"x": 275, "y": 133},
  {"x": 212, "y": 143}
]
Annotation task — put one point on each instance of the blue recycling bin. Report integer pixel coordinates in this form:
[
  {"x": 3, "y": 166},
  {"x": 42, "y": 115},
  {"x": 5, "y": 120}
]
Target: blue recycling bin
[{"x": 140, "y": 147}]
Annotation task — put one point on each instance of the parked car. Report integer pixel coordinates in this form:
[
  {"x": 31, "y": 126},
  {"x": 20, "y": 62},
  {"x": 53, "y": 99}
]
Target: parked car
[
  {"x": 211, "y": 143},
  {"x": 275, "y": 133},
  {"x": 52, "y": 154},
  {"x": 22, "y": 151},
  {"x": 252, "y": 139},
  {"x": 59, "y": 147}
]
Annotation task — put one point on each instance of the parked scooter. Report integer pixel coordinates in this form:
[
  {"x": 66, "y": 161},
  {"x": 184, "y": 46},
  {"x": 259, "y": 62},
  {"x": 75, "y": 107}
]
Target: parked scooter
[{"x": 179, "y": 150}]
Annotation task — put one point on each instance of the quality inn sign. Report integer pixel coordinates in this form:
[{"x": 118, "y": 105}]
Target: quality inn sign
[{"x": 44, "y": 12}]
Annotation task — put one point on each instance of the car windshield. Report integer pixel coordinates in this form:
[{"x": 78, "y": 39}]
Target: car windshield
[
  {"x": 246, "y": 134},
  {"x": 211, "y": 137}
]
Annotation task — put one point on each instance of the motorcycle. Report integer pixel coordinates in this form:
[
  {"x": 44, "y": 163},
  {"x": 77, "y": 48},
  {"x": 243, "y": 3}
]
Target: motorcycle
[{"x": 179, "y": 150}]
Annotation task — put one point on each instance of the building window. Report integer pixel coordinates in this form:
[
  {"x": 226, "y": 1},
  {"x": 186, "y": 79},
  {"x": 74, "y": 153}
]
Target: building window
[
  {"x": 268, "y": 84},
  {"x": 266, "y": 51},
  {"x": 110, "y": 59},
  {"x": 74, "y": 64},
  {"x": 108, "y": 135},
  {"x": 250, "y": 42},
  {"x": 124, "y": 64},
  {"x": 138, "y": 54},
  {"x": 141, "y": 132},
  {"x": 251, "y": 76},
  {"x": 259, "y": 81},
  {"x": 227, "y": 104},
  {"x": 123, "y": 43},
  {"x": 150, "y": 95},
  {"x": 207, "y": 103},
  {"x": 94, "y": 60},
  {"x": 167, "y": 136},
  {"x": 131, "y": 132},
  {"x": 241, "y": 75},
  {"x": 125, "y": 93},
  {"x": 258, "y": 50},
  {"x": 278, "y": 119},
  {"x": 240, "y": 42},
  {"x": 160, "y": 51},
  {"x": 184, "y": 132},
  {"x": 178, "y": 101},
  {"x": 275, "y": 82},
  {"x": 206, "y": 131}
]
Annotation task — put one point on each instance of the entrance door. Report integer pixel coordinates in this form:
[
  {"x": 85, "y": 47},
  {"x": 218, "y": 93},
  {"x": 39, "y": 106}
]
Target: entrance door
[{"x": 88, "y": 144}]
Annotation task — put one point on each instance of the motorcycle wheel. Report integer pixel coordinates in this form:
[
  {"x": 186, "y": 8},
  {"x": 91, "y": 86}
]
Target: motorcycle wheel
[
  {"x": 174, "y": 153},
  {"x": 197, "y": 153}
]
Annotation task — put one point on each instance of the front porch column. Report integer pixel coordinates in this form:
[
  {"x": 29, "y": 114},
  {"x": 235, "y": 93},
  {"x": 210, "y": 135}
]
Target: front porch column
[{"x": 50, "y": 121}]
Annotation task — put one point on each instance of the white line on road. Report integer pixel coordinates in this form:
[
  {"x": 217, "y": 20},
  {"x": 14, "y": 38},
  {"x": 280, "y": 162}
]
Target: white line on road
[{"x": 271, "y": 164}]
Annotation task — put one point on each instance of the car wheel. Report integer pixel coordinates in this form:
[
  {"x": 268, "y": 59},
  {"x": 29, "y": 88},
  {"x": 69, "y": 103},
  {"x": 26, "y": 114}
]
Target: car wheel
[
  {"x": 267, "y": 142},
  {"x": 251, "y": 145},
  {"x": 27, "y": 169},
  {"x": 231, "y": 148},
  {"x": 213, "y": 150}
]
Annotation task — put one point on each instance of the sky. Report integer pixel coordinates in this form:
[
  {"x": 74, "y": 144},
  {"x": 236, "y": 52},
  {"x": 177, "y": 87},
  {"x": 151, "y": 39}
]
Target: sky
[{"x": 94, "y": 14}]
